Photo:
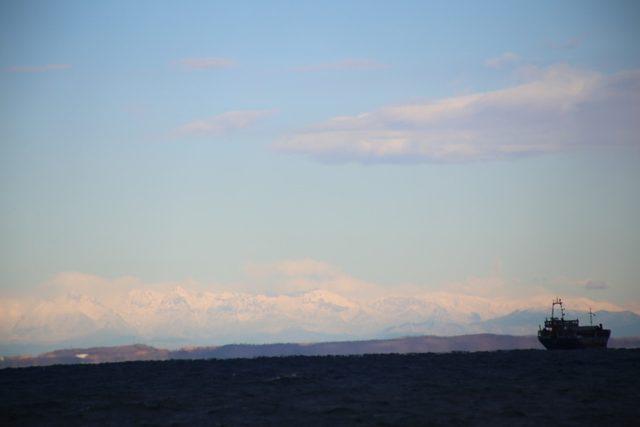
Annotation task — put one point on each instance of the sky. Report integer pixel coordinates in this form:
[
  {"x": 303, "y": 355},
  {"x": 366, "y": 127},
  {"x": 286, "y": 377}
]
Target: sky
[{"x": 404, "y": 143}]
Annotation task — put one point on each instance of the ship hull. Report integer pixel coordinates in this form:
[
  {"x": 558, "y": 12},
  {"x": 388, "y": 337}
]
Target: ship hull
[{"x": 573, "y": 343}]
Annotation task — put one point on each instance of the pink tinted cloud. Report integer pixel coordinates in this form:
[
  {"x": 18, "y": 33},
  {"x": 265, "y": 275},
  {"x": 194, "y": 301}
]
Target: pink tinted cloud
[
  {"x": 558, "y": 108},
  {"x": 506, "y": 59},
  {"x": 223, "y": 123}
]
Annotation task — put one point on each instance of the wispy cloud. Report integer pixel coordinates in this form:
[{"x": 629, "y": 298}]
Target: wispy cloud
[
  {"x": 223, "y": 123},
  {"x": 558, "y": 108},
  {"x": 300, "y": 275},
  {"x": 205, "y": 63},
  {"x": 593, "y": 285},
  {"x": 506, "y": 59},
  {"x": 37, "y": 68},
  {"x": 346, "y": 64},
  {"x": 303, "y": 275}
]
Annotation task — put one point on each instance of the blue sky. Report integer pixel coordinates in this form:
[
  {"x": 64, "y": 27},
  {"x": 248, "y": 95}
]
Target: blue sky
[{"x": 404, "y": 142}]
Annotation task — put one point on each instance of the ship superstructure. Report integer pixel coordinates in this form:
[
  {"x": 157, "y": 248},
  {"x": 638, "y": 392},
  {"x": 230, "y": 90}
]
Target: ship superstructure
[{"x": 559, "y": 333}]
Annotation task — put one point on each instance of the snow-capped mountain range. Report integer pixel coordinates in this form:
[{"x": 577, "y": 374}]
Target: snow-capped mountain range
[{"x": 179, "y": 316}]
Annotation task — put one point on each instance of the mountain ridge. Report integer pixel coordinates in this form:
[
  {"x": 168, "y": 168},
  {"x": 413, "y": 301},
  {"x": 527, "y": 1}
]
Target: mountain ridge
[{"x": 179, "y": 317}]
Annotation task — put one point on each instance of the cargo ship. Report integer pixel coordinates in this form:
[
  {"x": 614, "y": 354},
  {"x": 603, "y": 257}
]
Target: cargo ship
[{"x": 562, "y": 334}]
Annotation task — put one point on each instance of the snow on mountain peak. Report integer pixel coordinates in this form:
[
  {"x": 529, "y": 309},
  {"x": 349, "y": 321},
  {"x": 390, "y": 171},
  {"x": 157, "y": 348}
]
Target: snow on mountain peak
[
  {"x": 328, "y": 297},
  {"x": 207, "y": 317}
]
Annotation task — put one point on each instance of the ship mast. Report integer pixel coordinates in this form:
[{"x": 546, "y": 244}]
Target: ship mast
[
  {"x": 557, "y": 301},
  {"x": 591, "y": 314}
]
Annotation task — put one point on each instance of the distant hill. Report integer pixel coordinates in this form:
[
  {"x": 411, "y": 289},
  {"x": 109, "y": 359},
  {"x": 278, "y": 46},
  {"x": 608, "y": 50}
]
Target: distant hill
[
  {"x": 124, "y": 353},
  {"x": 524, "y": 322},
  {"x": 422, "y": 344},
  {"x": 418, "y": 344}
]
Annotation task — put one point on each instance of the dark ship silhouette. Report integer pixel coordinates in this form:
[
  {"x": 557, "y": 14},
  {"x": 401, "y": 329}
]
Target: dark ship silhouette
[{"x": 561, "y": 334}]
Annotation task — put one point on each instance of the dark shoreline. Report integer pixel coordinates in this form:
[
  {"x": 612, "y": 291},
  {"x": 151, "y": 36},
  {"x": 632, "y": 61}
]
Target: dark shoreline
[{"x": 519, "y": 387}]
